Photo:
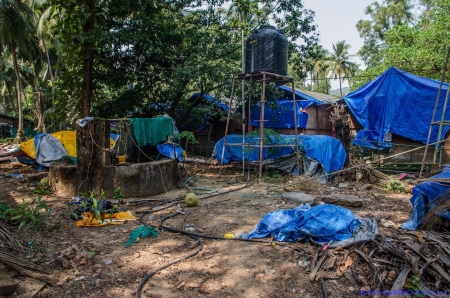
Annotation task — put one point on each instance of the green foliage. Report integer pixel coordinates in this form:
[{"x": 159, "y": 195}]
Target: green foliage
[
  {"x": 91, "y": 200},
  {"x": 43, "y": 188},
  {"x": 4, "y": 211},
  {"x": 412, "y": 39},
  {"x": 30, "y": 215},
  {"x": 414, "y": 284},
  {"x": 395, "y": 185},
  {"x": 189, "y": 138},
  {"x": 118, "y": 194},
  {"x": 273, "y": 177}
]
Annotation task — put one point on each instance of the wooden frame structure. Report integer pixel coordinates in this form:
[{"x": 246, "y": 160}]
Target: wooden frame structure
[{"x": 263, "y": 78}]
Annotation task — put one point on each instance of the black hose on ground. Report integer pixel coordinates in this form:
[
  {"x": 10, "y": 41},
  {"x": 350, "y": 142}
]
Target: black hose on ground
[{"x": 186, "y": 233}]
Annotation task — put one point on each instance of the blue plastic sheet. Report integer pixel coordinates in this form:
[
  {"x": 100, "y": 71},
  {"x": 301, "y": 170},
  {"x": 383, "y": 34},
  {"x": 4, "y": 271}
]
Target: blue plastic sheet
[
  {"x": 171, "y": 151},
  {"x": 399, "y": 102},
  {"x": 282, "y": 116},
  {"x": 422, "y": 197},
  {"x": 328, "y": 151},
  {"x": 321, "y": 223}
]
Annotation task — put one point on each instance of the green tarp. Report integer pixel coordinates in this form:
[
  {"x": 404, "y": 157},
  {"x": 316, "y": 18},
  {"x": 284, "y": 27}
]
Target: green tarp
[{"x": 151, "y": 131}]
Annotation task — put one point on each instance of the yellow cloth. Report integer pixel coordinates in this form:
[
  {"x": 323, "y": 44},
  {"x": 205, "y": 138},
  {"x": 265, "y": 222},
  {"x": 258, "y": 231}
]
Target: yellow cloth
[
  {"x": 119, "y": 218},
  {"x": 67, "y": 138}
]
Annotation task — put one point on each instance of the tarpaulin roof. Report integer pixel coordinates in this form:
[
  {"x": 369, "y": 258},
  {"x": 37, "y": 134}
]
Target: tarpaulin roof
[
  {"x": 328, "y": 151},
  {"x": 397, "y": 102},
  {"x": 283, "y": 115},
  {"x": 314, "y": 97}
]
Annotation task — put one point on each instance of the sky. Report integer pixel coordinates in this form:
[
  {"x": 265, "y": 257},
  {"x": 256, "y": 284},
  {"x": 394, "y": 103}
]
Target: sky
[{"x": 336, "y": 20}]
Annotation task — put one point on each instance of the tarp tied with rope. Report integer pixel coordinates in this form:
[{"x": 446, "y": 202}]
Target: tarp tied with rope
[{"x": 397, "y": 102}]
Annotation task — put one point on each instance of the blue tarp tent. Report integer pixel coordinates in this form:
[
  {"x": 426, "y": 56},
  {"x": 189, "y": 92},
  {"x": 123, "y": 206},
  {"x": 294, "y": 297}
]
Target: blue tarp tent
[
  {"x": 328, "y": 151},
  {"x": 397, "y": 102},
  {"x": 283, "y": 115},
  {"x": 422, "y": 200}
]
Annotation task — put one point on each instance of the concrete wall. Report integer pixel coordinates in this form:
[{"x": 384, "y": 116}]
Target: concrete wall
[{"x": 134, "y": 180}]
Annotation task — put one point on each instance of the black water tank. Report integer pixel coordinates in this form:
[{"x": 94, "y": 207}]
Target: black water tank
[{"x": 266, "y": 50}]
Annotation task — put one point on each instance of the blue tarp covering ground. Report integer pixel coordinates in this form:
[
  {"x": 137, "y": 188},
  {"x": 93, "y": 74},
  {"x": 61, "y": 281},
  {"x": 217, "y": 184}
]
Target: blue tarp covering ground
[
  {"x": 320, "y": 224},
  {"x": 399, "y": 102},
  {"x": 328, "y": 151},
  {"x": 422, "y": 197}
]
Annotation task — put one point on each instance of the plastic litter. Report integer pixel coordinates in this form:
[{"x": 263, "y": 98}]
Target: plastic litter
[
  {"x": 88, "y": 219},
  {"x": 141, "y": 232},
  {"x": 231, "y": 236},
  {"x": 319, "y": 224},
  {"x": 304, "y": 263}
]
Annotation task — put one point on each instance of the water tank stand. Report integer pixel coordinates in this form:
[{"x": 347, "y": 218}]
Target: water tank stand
[{"x": 264, "y": 78}]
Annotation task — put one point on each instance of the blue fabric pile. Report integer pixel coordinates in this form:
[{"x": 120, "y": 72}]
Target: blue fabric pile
[
  {"x": 422, "y": 200},
  {"x": 319, "y": 224}
]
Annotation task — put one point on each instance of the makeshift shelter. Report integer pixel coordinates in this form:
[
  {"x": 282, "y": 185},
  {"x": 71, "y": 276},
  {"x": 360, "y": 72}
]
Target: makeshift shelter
[
  {"x": 322, "y": 154},
  {"x": 280, "y": 114},
  {"x": 396, "y": 102}
]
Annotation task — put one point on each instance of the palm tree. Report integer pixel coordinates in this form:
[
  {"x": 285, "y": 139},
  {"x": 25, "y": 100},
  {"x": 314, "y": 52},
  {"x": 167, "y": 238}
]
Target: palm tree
[
  {"x": 338, "y": 64},
  {"x": 17, "y": 34}
]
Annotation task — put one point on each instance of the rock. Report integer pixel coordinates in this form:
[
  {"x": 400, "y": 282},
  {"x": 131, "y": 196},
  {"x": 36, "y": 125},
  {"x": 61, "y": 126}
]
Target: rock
[
  {"x": 299, "y": 198},
  {"x": 8, "y": 285},
  {"x": 29, "y": 288},
  {"x": 107, "y": 261},
  {"x": 343, "y": 200}
]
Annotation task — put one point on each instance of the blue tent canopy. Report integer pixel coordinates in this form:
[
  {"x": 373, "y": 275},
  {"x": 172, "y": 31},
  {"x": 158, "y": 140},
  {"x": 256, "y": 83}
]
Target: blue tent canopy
[{"x": 397, "y": 102}]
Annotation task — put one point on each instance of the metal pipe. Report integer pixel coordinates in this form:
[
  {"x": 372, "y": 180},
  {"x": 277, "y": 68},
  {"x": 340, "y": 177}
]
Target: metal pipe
[
  {"x": 444, "y": 110},
  {"x": 295, "y": 120},
  {"x": 261, "y": 126},
  {"x": 241, "y": 18},
  {"x": 434, "y": 112},
  {"x": 226, "y": 128}
]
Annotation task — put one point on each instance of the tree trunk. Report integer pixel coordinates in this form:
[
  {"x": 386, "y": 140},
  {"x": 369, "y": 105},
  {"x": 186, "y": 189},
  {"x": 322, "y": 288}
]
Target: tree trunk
[
  {"x": 340, "y": 85},
  {"x": 19, "y": 136},
  {"x": 50, "y": 71},
  {"x": 85, "y": 105}
]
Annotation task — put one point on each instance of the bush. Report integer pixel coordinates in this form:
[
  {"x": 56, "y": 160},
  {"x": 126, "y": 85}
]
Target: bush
[{"x": 395, "y": 185}]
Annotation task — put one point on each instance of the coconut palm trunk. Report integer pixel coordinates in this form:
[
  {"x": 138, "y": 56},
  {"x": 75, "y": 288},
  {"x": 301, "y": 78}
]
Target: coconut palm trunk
[{"x": 20, "y": 137}]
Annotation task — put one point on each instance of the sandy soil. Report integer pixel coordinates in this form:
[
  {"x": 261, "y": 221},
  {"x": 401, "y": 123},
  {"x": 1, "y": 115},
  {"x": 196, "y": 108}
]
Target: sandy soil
[{"x": 221, "y": 269}]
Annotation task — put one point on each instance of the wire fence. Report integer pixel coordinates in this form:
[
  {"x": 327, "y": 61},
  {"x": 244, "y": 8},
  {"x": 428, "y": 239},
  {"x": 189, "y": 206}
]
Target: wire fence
[{"x": 409, "y": 162}]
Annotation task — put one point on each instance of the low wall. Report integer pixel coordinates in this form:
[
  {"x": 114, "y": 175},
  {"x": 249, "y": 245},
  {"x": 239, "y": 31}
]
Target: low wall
[{"x": 134, "y": 180}]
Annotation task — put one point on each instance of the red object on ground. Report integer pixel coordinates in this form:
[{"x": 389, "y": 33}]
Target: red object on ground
[{"x": 402, "y": 176}]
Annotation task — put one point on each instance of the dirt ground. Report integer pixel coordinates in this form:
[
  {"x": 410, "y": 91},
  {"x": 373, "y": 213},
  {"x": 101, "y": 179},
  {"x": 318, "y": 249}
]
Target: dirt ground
[{"x": 100, "y": 265}]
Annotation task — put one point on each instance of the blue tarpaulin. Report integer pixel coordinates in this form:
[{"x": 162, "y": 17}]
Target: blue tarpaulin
[
  {"x": 399, "y": 102},
  {"x": 422, "y": 200},
  {"x": 282, "y": 116},
  {"x": 328, "y": 151},
  {"x": 322, "y": 223},
  {"x": 171, "y": 151}
]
